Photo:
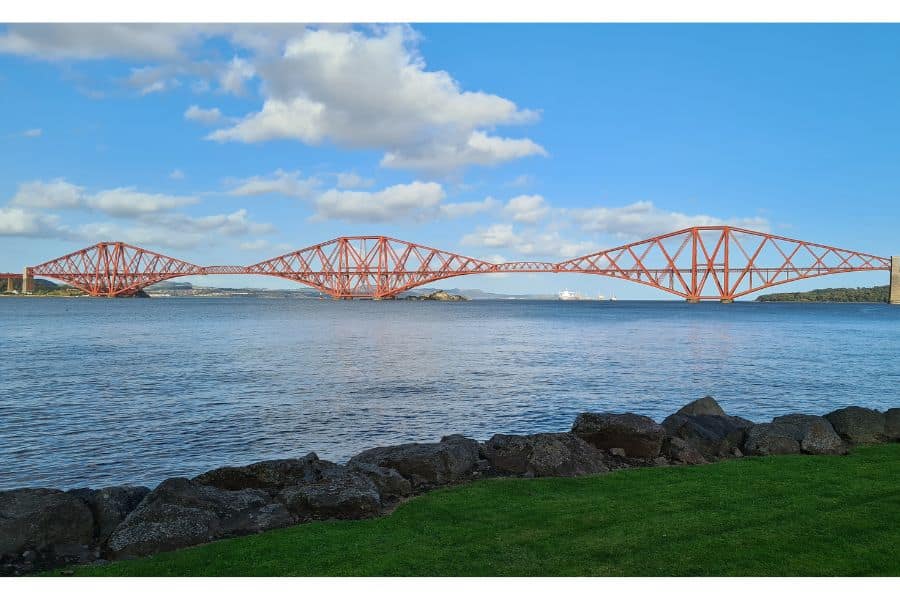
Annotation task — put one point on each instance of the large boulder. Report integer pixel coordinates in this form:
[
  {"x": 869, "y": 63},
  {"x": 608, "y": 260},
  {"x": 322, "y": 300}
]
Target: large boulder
[
  {"x": 452, "y": 459},
  {"x": 858, "y": 425},
  {"x": 767, "y": 439},
  {"x": 181, "y": 512},
  {"x": 340, "y": 494},
  {"x": 712, "y": 435},
  {"x": 637, "y": 435},
  {"x": 49, "y": 521},
  {"x": 892, "y": 425},
  {"x": 815, "y": 434},
  {"x": 543, "y": 455},
  {"x": 110, "y": 506},
  {"x": 391, "y": 484},
  {"x": 704, "y": 406},
  {"x": 679, "y": 452},
  {"x": 269, "y": 475}
]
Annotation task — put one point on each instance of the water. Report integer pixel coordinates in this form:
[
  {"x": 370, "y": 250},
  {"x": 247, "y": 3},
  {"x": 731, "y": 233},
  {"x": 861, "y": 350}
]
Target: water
[{"x": 103, "y": 392}]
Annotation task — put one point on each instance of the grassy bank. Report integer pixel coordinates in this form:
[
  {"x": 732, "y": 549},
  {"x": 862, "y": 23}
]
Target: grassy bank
[{"x": 789, "y": 515}]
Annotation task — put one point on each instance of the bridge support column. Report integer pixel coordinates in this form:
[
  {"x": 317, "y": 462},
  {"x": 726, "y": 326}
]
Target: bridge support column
[
  {"x": 27, "y": 281},
  {"x": 726, "y": 300},
  {"x": 894, "y": 297},
  {"x": 693, "y": 300},
  {"x": 9, "y": 285}
]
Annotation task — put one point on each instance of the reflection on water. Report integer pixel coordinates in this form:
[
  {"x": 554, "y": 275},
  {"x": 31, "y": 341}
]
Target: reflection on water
[{"x": 101, "y": 392}]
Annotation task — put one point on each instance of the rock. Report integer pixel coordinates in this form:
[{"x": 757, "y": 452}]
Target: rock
[
  {"x": 637, "y": 435},
  {"x": 110, "y": 506},
  {"x": 713, "y": 436},
  {"x": 857, "y": 425},
  {"x": 426, "y": 465},
  {"x": 390, "y": 483},
  {"x": 679, "y": 451},
  {"x": 50, "y": 521},
  {"x": 269, "y": 475},
  {"x": 543, "y": 455},
  {"x": 440, "y": 296},
  {"x": 704, "y": 406},
  {"x": 892, "y": 425},
  {"x": 312, "y": 488},
  {"x": 342, "y": 494},
  {"x": 815, "y": 434},
  {"x": 181, "y": 512},
  {"x": 766, "y": 439},
  {"x": 620, "y": 452}
]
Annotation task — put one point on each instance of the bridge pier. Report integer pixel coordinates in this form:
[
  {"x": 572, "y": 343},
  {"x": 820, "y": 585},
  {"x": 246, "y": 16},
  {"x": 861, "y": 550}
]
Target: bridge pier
[
  {"x": 726, "y": 300},
  {"x": 894, "y": 297},
  {"x": 27, "y": 281},
  {"x": 693, "y": 300}
]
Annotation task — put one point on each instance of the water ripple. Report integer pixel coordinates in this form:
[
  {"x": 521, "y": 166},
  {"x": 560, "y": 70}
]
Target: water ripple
[{"x": 99, "y": 392}]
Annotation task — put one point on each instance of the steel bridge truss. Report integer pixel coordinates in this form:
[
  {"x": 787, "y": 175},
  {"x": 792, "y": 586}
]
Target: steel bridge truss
[{"x": 699, "y": 263}]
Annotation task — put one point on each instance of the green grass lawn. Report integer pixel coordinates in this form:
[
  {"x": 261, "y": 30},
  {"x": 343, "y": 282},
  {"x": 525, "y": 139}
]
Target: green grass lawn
[{"x": 789, "y": 515}]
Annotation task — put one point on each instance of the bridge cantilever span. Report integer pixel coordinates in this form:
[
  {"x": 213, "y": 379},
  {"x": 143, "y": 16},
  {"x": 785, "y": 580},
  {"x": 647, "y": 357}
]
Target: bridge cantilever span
[
  {"x": 369, "y": 266},
  {"x": 721, "y": 262},
  {"x": 698, "y": 263}
]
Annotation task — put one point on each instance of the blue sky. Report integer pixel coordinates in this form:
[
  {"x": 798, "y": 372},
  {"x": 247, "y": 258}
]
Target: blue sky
[{"x": 231, "y": 144}]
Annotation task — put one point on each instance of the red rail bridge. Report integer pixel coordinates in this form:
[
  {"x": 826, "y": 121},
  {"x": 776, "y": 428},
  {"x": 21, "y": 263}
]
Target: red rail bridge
[{"x": 699, "y": 263}]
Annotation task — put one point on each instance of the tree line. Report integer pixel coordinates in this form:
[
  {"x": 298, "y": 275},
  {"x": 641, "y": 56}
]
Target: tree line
[{"x": 860, "y": 294}]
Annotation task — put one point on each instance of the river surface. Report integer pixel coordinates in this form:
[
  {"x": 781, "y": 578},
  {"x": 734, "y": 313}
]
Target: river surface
[{"x": 103, "y": 392}]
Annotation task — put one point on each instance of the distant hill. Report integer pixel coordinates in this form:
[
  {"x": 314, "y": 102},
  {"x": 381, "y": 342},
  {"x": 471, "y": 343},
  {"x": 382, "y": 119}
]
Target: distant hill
[
  {"x": 181, "y": 288},
  {"x": 863, "y": 294},
  {"x": 476, "y": 294}
]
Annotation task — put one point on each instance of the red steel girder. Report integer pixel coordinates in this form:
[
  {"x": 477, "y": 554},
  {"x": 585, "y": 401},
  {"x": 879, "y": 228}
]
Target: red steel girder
[
  {"x": 721, "y": 262},
  {"x": 369, "y": 266},
  {"x": 717, "y": 262},
  {"x": 114, "y": 269}
]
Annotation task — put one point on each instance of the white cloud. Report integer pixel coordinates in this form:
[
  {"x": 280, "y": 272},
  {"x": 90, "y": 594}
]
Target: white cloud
[
  {"x": 448, "y": 155},
  {"x": 151, "y": 80},
  {"x": 175, "y": 230},
  {"x": 207, "y": 116},
  {"x": 467, "y": 209},
  {"x": 643, "y": 219},
  {"x": 421, "y": 118},
  {"x": 254, "y": 245},
  {"x": 529, "y": 243},
  {"x": 16, "y": 221},
  {"x": 37, "y": 132},
  {"x": 176, "y": 174},
  {"x": 54, "y": 195},
  {"x": 527, "y": 209},
  {"x": 98, "y": 41},
  {"x": 520, "y": 181},
  {"x": 137, "y": 217},
  {"x": 232, "y": 224},
  {"x": 417, "y": 201},
  {"x": 234, "y": 75},
  {"x": 118, "y": 202},
  {"x": 281, "y": 182},
  {"x": 356, "y": 88},
  {"x": 499, "y": 235},
  {"x": 127, "y": 202},
  {"x": 352, "y": 181}
]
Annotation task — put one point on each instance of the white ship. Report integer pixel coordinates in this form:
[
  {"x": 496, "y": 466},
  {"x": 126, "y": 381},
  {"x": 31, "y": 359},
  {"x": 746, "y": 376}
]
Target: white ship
[{"x": 567, "y": 295}]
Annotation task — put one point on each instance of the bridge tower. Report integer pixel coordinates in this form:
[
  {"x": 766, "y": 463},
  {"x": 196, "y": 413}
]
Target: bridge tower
[
  {"x": 895, "y": 280},
  {"x": 27, "y": 281}
]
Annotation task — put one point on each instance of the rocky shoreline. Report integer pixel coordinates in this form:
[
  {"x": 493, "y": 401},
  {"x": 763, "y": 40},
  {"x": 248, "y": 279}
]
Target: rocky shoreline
[{"x": 47, "y": 528}]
